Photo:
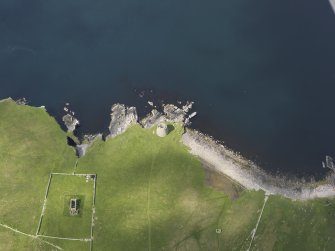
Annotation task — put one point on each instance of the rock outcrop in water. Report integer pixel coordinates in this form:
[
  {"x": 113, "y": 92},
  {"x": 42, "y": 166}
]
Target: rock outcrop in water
[
  {"x": 21, "y": 101},
  {"x": 174, "y": 113},
  {"x": 153, "y": 118},
  {"x": 171, "y": 113},
  {"x": 70, "y": 122},
  {"x": 121, "y": 118}
]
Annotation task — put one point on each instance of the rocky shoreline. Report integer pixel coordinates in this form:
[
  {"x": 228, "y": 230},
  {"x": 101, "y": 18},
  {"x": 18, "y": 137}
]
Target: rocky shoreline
[
  {"x": 208, "y": 150},
  {"x": 122, "y": 117},
  {"x": 222, "y": 159},
  {"x": 249, "y": 175}
]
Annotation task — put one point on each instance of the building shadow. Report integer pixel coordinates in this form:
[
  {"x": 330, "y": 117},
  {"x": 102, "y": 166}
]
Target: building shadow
[{"x": 170, "y": 128}]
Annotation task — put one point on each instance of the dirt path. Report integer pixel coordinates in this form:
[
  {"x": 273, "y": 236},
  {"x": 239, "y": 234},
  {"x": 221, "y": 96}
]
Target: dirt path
[
  {"x": 64, "y": 238},
  {"x": 253, "y": 232},
  {"x": 30, "y": 235}
]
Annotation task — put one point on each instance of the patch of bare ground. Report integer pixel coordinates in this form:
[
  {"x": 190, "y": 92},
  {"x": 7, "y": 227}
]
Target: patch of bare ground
[{"x": 221, "y": 182}]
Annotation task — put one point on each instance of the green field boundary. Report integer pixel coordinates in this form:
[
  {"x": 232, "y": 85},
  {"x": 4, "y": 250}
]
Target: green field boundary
[
  {"x": 74, "y": 174},
  {"x": 93, "y": 211},
  {"x": 44, "y": 207},
  {"x": 44, "y": 204},
  {"x": 64, "y": 238}
]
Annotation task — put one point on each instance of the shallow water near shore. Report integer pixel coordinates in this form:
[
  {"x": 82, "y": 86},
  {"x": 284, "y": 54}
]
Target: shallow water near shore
[{"x": 261, "y": 73}]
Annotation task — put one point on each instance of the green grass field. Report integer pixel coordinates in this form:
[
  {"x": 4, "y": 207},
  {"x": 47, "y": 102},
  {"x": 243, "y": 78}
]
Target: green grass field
[
  {"x": 57, "y": 220},
  {"x": 288, "y": 225},
  {"x": 151, "y": 194}
]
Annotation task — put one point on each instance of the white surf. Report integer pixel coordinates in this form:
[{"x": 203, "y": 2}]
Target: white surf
[{"x": 332, "y": 3}]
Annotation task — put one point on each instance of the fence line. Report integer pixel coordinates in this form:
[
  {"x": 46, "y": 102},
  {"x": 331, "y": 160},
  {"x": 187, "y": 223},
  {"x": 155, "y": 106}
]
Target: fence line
[
  {"x": 44, "y": 204},
  {"x": 30, "y": 235}
]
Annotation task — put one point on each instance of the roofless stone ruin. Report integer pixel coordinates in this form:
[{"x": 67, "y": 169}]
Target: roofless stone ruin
[{"x": 74, "y": 206}]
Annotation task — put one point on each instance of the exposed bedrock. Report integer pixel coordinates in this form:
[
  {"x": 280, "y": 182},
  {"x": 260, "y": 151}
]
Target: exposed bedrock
[
  {"x": 87, "y": 143},
  {"x": 121, "y": 118},
  {"x": 171, "y": 113},
  {"x": 153, "y": 118},
  {"x": 70, "y": 122},
  {"x": 174, "y": 113},
  {"x": 21, "y": 101}
]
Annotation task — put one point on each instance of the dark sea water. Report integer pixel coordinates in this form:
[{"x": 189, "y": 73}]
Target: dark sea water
[{"x": 262, "y": 73}]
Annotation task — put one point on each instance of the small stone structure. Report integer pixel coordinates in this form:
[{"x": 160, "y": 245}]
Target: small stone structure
[
  {"x": 162, "y": 130},
  {"x": 74, "y": 206}
]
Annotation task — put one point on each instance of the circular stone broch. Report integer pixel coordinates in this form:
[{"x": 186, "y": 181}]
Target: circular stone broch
[{"x": 162, "y": 130}]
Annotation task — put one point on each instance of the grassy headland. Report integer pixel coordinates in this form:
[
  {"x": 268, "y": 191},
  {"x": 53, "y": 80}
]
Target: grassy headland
[{"x": 151, "y": 194}]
